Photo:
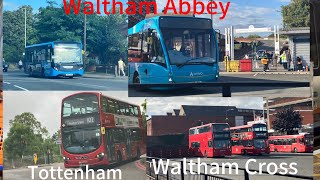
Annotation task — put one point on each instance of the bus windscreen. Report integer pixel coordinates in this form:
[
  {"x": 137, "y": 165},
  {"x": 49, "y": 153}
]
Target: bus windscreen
[{"x": 67, "y": 53}]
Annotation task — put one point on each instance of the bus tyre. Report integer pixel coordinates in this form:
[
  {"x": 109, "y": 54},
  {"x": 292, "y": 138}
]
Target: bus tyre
[
  {"x": 295, "y": 150},
  {"x": 205, "y": 154},
  {"x": 275, "y": 150},
  {"x": 245, "y": 152},
  {"x": 136, "y": 78}
]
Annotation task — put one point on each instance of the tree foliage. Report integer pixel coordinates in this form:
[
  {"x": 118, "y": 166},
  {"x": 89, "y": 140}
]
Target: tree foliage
[
  {"x": 27, "y": 136},
  {"x": 296, "y": 14},
  {"x": 104, "y": 37},
  {"x": 287, "y": 120},
  {"x": 253, "y": 36}
]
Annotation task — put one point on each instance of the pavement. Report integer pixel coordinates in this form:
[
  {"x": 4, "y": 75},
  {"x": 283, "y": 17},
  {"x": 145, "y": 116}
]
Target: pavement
[
  {"x": 258, "y": 91},
  {"x": 303, "y": 162},
  {"x": 130, "y": 171},
  {"x": 15, "y": 80}
]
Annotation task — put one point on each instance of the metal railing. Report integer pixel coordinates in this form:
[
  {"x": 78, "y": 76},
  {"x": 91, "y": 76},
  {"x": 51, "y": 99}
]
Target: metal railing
[
  {"x": 226, "y": 86},
  {"x": 201, "y": 176}
]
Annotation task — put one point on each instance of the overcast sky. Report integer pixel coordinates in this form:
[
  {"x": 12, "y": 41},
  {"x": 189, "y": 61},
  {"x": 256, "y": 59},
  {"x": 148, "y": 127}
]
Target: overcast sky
[{"x": 46, "y": 106}]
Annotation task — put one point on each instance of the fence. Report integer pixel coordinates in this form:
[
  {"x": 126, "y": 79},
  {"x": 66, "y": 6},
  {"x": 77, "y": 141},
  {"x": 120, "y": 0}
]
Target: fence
[
  {"x": 28, "y": 160},
  {"x": 201, "y": 176}
]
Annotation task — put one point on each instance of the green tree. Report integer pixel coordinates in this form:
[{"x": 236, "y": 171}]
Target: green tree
[
  {"x": 13, "y": 32},
  {"x": 253, "y": 36},
  {"x": 26, "y": 136},
  {"x": 296, "y": 14},
  {"x": 287, "y": 120}
]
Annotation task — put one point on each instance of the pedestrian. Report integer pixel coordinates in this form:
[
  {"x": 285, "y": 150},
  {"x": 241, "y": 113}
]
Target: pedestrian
[
  {"x": 284, "y": 60},
  {"x": 264, "y": 61},
  {"x": 20, "y": 64},
  {"x": 299, "y": 64},
  {"x": 289, "y": 60},
  {"x": 121, "y": 66}
]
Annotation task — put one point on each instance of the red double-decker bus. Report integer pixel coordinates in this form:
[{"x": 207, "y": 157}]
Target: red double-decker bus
[
  {"x": 250, "y": 139},
  {"x": 210, "y": 140},
  {"x": 291, "y": 143},
  {"x": 98, "y": 130}
]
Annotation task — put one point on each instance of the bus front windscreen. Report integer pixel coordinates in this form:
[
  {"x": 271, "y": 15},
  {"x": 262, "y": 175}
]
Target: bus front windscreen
[
  {"x": 80, "y": 104},
  {"x": 81, "y": 141},
  {"x": 220, "y": 128},
  {"x": 259, "y": 143},
  {"x": 221, "y": 144},
  {"x": 67, "y": 53},
  {"x": 190, "y": 46},
  {"x": 259, "y": 128}
]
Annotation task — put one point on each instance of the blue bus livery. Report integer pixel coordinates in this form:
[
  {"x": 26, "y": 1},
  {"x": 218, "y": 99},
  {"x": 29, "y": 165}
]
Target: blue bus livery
[
  {"x": 168, "y": 49},
  {"x": 54, "y": 59}
]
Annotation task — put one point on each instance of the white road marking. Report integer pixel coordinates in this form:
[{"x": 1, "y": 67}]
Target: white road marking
[
  {"x": 20, "y": 88},
  {"x": 6, "y": 83},
  {"x": 255, "y": 74}
]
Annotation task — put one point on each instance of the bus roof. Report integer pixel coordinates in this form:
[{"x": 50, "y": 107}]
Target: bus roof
[
  {"x": 139, "y": 26},
  {"x": 207, "y": 125},
  {"x": 245, "y": 126},
  {"x": 52, "y": 43}
]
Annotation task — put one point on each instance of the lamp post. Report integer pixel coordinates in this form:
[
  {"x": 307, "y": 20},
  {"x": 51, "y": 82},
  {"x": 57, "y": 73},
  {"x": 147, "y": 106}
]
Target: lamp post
[{"x": 227, "y": 113}]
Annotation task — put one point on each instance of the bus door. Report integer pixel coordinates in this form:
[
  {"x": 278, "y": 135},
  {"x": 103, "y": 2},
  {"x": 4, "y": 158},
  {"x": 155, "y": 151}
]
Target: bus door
[
  {"x": 152, "y": 53},
  {"x": 109, "y": 143}
]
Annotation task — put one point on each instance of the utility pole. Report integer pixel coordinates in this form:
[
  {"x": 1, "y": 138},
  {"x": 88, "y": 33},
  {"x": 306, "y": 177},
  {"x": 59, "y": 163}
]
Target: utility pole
[
  {"x": 1, "y": 33},
  {"x": 85, "y": 39},
  {"x": 25, "y": 27}
]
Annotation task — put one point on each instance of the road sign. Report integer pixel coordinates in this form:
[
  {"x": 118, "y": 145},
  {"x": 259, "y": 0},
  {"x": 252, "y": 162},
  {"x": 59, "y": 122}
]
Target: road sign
[
  {"x": 58, "y": 141},
  {"x": 35, "y": 158}
]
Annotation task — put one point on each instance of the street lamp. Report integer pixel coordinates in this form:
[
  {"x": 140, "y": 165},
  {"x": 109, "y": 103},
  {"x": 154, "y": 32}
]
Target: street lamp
[{"x": 227, "y": 113}]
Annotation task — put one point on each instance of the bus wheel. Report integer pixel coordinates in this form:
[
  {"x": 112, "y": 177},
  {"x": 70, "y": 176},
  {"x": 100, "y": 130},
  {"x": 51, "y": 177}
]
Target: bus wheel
[
  {"x": 245, "y": 152},
  {"x": 295, "y": 150},
  {"x": 205, "y": 154},
  {"x": 136, "y": 79},
  {"x": 275, "y": 150}
]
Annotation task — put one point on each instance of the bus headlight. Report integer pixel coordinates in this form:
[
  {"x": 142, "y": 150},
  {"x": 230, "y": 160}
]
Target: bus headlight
[
  {"x": 170, "y": 79},
  {"x": 100, "y": 156},
  {"x": 80, "y": 68},
  {"x": 55, "y": 68},
  {"x": 66, "y": 158}
]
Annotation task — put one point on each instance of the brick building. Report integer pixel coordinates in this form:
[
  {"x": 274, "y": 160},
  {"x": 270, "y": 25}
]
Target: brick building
[{"x": 180, "y": 120}]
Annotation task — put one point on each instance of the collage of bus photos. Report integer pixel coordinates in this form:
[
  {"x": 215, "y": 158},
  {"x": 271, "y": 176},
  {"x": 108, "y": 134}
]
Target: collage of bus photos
[{"x": 229, "y": 138}]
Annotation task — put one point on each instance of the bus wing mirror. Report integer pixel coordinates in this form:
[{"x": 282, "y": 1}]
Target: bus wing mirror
[{"x": 103, "y": 130}]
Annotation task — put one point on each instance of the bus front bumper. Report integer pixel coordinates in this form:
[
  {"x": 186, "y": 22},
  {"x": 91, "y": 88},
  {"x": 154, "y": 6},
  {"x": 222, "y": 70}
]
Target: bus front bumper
[
  {"x": 76, "y": 73},
  {"x": 88, "y": 162}
]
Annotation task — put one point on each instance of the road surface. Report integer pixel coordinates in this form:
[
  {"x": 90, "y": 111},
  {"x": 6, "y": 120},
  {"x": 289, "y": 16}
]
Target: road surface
[
  {"x": 15, "y": 80},
  {"x": 258, "y": 91},
  {"x": 129, "y": 171},
  {"x": 304, "y": 164}
]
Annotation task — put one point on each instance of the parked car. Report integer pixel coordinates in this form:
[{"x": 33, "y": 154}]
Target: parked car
[{"x": 5, "y": 66}]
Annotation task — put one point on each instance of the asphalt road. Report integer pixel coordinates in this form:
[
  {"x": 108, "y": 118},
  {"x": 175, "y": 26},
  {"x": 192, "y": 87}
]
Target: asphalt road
[
  {"x": 15, "y": 80},
  {"x": 304, "y": 164},
  {"x": 129, "y": 171},
  {"x": 258, "y": 91}
]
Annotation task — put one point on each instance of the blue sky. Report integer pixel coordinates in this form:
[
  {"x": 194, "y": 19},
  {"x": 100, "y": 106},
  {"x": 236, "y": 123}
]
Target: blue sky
[{"x": 242, "y": 13}]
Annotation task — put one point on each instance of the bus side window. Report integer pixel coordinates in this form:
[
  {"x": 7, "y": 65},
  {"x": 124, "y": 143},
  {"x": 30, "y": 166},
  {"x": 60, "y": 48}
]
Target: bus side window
[
  {"x": 104, "y": 104},
  {"x": 135, "y": 47},
  {"x": 156, "y": 51}
]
